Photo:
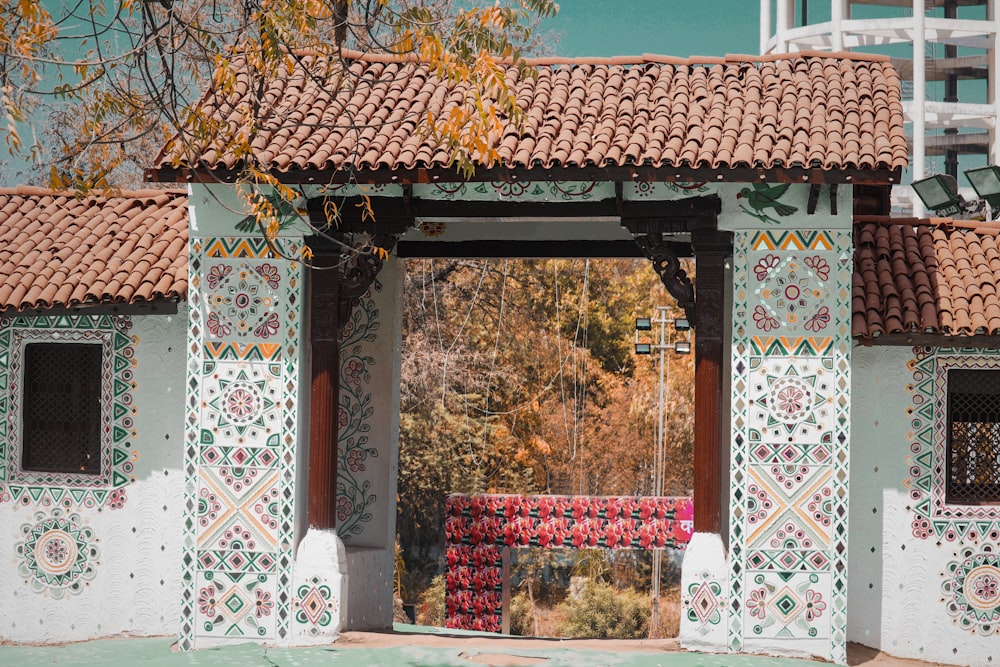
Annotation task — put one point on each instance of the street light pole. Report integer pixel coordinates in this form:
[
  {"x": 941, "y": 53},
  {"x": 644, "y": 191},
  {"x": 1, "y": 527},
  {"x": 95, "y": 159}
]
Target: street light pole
[{"x": 664, "y": 343}]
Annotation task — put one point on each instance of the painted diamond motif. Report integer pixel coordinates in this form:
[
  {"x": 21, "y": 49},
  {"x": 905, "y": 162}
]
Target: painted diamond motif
[
  {"x": 314, "y": 605},
  {"x": 234, "y": 603},
  {"x": 704, "y": 602},
  {"x": 786, "y": 605}
]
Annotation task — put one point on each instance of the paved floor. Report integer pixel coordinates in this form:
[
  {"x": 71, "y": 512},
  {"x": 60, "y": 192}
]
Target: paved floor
[
  {"x": 158, "y": 652},
  {"x": 406, "y": 647}
]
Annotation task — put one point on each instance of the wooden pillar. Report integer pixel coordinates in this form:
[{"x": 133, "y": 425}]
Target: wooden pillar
[
  {"x": 711, "y": 249},
  {"x": 324, "y": 409}
]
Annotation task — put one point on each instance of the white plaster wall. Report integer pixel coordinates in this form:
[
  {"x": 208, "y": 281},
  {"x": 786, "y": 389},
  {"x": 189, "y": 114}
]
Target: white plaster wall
[
  {"x": 136, "y": 588},
  {"x": 895, "y": 600},
  {"x": 370, "y": 553}
]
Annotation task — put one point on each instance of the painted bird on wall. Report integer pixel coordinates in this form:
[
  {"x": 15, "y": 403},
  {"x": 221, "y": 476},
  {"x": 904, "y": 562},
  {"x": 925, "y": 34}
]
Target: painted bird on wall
[{"x": 763, "y": 196}]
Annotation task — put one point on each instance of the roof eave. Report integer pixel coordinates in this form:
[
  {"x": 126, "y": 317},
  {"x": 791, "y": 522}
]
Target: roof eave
[
  {"x": 872, "y": 176},
  {"x": 927, "y": 339}
]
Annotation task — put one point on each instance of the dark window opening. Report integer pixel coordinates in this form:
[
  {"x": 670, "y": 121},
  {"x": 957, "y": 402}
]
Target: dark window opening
[
  {"x": 61, "y": 414},
  {"x": 973, "y": 455}
]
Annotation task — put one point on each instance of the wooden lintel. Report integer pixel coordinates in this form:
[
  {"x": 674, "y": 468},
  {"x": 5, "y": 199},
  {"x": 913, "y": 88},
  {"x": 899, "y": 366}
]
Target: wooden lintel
[
  {"x": 158, "y": 307},
  {"x": 505, "y": 249}
]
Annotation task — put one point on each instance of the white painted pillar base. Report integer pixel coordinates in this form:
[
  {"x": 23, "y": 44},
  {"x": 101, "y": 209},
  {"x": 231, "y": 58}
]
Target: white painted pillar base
[
  {"x": 705, "y": 595},
  {"x": 319, "y": 603}
]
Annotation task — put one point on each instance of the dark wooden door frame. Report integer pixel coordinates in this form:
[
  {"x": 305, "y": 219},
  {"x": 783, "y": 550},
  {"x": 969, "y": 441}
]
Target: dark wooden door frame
[{"x": 653, "y": 225}]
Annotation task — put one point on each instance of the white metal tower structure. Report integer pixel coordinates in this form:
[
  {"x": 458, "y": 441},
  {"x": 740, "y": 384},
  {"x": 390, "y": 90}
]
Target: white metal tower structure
[{"x": 939, "y": 47}]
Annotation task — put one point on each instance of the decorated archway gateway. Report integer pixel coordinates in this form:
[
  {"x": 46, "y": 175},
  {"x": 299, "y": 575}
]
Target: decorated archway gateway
[{"x": 749, "y": 165}]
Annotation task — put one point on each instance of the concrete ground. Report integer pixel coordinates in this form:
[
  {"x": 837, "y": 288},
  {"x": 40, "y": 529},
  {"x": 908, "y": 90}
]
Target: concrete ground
[{"x": 409, "y": 647}]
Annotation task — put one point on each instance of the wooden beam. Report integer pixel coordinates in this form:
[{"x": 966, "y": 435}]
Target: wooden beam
[
  {"x": 324, "y": 407},
  {"x": 711, "y": 248}
]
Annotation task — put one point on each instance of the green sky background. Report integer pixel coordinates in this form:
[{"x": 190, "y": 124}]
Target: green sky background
[{"x": 666, "y": 27}]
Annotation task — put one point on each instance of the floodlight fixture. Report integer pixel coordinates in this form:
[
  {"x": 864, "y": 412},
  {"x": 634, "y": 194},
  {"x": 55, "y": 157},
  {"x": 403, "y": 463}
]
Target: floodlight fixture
[
  {"x": 643, "y": 324},
  {"x": 682, "y": 347},
  {"x": 681, "y": 324},
  {"x": 643, "y": 348},
  {"x": 939, "y": 193},
  {"x": 986, "y": 182}
]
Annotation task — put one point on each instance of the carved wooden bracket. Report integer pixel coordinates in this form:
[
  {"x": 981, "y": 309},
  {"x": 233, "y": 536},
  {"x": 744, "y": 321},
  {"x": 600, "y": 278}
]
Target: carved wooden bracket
[
  {"x": 357, "y": 273},
  {"x": 668, "y": 266}
]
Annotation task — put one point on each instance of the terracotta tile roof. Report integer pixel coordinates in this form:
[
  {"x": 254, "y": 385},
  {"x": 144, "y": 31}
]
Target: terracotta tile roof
[
  {"x": 814, "y": 111},
  {"x": 57, "y": 251},
  {"x": 933, "y": 276}
]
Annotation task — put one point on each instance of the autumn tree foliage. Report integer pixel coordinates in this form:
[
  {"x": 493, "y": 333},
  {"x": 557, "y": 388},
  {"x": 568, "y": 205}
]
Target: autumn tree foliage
[
  {"x": 520, "y": 377},
  {"x": 123, "y": 75}
]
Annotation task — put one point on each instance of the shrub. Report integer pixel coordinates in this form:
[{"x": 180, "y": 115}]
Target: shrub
[
  {"x": 430, "y": 609},
  {"x": 602, "y": 612},
  {"x": 522, "y": 615}
]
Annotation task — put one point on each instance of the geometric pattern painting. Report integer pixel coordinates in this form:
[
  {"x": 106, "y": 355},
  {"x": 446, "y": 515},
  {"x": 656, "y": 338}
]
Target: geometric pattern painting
[
  {"x": 355, "y": 497},
  {"x": 932, "y": 516},
  {"x": 58, "y": 554},
  {"x": 790, "y": 435},
  {"x": 68, "y": 490},
  {"x": 479, "y": 528},
  {"x": 315, "y": 605},
  {"x": 242, "y": 415},
  {"x": 972, "y": 589}
]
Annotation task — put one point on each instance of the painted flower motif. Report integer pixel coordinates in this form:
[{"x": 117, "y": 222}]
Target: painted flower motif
[
  {"x": 790, "y": 400},
  {"x": 207, "y": 601},
  {"x": 764, "y": 320},
  {"x": 756, "y": 603},
  {"x": 428, "y": 228},
  {"x": 819, "y": 321},
  {"x": 343, "y": 418},
  {"x": 268, "y": 327},
  {"x": 764, "y": 266},
  {"x": 345, "y": 508},
  {"x": 263, "y": 604},
  {"x": 355, "y": 369},
  {"x": 217, "y": 327},
  {"x": 819, "y": 265},
  {"x": 506, "y": 189},
  {"x": 56, "y": 551},
  {"x": 116, "y": 500},
  {"x": 356, "y": 460},
  {"x": 986, "y": 587},
  {"x": 814, "y": 605},
  {"x": 921, "y": 527},
  {"x": 217, "y": 273},
  {"x": 269, "y": 272},
  {"x": 241, "y": 403}
]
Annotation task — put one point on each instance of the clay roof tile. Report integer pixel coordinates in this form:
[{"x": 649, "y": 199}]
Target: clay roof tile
[
  {"x": 57, "y": 250},
  {"x": 708, "y": 111}
]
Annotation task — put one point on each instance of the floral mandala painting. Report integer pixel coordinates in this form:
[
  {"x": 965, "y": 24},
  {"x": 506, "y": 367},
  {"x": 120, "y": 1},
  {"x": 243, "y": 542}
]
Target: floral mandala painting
[
  {"x": 972, "y": 590},
  {"x": 58, "y": 554}
]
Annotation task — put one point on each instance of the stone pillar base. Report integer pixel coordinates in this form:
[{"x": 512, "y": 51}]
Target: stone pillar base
[
  {"x": 705, "y": 595},
  {"x": 319, "y": 602}
]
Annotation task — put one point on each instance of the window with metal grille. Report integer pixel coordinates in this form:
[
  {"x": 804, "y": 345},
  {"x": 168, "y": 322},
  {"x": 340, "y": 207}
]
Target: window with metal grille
[
  {"x": 973, "y": 456},
  {"x": 61, "y": 412}
]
